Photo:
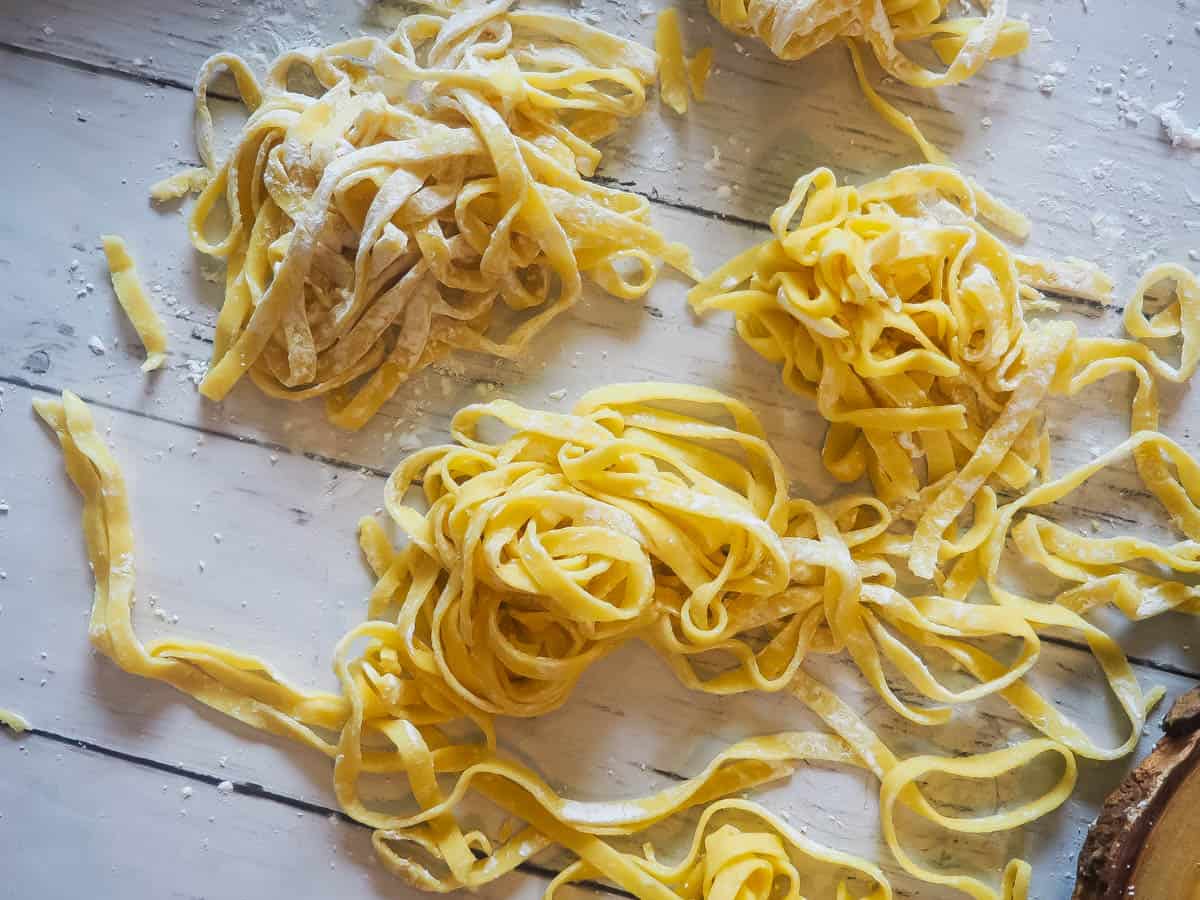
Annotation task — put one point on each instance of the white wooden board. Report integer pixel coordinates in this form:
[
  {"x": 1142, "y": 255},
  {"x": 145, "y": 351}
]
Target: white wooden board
[{"x": 90, "y": 94}]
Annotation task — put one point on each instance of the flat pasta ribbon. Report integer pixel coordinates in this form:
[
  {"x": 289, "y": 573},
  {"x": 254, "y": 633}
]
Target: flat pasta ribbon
[
  {"x": 132, "y": 297},
  {"x": 793, "y": 29},
  {"x": 903, "y": 317},
  {"x": 429, "y": 196},
  {"x": 651, "y": 512}
]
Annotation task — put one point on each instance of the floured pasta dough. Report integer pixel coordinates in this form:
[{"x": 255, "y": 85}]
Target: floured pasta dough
[{"x": 432, "y": 195}]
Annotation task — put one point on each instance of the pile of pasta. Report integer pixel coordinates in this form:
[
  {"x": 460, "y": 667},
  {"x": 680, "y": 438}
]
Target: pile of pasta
[
  {"x": 655, "y": 512},
  {"x": 902, "y": 315},
  {"x": 795, "y": 28},
  {"x": 429, "y": 193}
]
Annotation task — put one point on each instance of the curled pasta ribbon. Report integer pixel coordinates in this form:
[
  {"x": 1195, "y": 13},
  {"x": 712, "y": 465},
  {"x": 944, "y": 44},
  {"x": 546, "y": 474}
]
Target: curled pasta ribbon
[
  {"x": 652, "y": 512},
  {"x": 898, "y": 786},
  {"x": 795, "y": 28},
  {"x": 429, "y": 195},
  {"x": 731, "y": 862},
  {"x": 903, "y": 317},
  {"x": 895, "y": 308},
  {"x": 902, "y": 776}
]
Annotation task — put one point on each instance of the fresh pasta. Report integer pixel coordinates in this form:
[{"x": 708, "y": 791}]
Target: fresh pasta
[
  {"x": 651, "y": 512},
  {"x": 393, "y": 691},
  {"x": 679, "y": 75},
  {"x": 901, "y": 314},
  {"x": 14, "y": 721},
  {"x": 430, "y": 194},
  {"x": 793, "y": 29},
  {"x": 132, "y": 297}
]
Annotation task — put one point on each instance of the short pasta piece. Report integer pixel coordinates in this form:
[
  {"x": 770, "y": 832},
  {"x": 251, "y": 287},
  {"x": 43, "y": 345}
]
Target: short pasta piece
[{"x": 132, "y": 297}]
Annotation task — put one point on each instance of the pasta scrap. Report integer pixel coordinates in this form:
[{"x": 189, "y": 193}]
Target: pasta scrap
[
  {"x": 14, "y": 721},
  {"x": 673, "y": 67},
  {"x": 133, "y": 299},
  {"x": 430, "y": 196},
  {"x": 679, "y": 75}
]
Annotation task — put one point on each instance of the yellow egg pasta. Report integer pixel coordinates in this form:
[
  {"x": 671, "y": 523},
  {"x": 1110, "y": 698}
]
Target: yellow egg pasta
[
  {"x": 427, "y": 194},
  {"x": 133, "y": 299},
  {"x": 673, "y": 66},
  {"x": 795, "y": 28},
  {"x": 651, "y": 512},
  {"x": 14, "y": 721},
  {"x": 678, "y": 75},
  {"x": 895, "y": 308},
  {"x": 902, "y": 316}
]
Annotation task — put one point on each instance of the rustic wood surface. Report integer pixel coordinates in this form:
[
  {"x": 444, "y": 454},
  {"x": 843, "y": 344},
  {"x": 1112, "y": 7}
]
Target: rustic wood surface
[{"x": 94, "y": 99}]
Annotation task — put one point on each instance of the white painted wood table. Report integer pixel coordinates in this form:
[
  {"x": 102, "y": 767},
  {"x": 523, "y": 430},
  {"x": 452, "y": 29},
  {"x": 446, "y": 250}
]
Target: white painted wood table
[{"x": 94, "y": 104}]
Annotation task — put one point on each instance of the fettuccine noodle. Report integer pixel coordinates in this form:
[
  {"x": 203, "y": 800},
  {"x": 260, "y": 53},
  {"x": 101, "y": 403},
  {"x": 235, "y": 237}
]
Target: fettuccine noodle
[
  {"x": 793, "y": 29},
  {"x": 896, "y": 309},
  {"x": 431, "y": 196},
  {"x": 677, "y": 73},
  {"x": 132, "y": 297},
  {"x": 901, "y": 315},
  {"x": 539, "y": 554}
]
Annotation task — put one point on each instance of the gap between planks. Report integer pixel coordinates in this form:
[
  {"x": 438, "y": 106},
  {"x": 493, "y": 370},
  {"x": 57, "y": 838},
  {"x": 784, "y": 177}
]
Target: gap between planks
[
  {"x": 256, "y": 790},
  {"x": 625, "y": 184}
]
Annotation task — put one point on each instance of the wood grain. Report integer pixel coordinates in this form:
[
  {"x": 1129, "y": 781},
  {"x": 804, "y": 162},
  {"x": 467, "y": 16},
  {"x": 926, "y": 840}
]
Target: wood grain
[
  {"x": 94, "y": 94},
  {"x": 1073, "y": 153},
  {"x": 115, "y": 829}
]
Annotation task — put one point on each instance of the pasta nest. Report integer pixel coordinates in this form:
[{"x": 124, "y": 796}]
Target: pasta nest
[
  {"x": 428, "y": 192},
  {"x": 793, "y": 29},
  {"x": 896, "y": 308}
]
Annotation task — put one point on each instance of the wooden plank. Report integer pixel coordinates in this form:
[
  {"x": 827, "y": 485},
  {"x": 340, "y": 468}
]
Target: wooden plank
[
  {"x": 1066, "y": 154},
  {"x": 130, "y": 128},
  {"x": 94, "y": 826},
  {"x": 629, "y": 718},
  {"x": 629, "y": 729},
  {"x": 132, "y": 833}
]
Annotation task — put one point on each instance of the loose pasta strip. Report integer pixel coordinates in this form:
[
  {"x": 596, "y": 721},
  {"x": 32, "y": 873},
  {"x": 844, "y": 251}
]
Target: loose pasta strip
[
  {"x": 672, "y": 65},
  {"x": 679, "y": 75},
  {"x": 432, "y": 196},
  {"x": 133, "y": 299},
  {"x": 189, "y": 181},
  {"x": 651, "y": 512},
  {"x": 795, "y": 28},
  {"x": 15, "y": 722}
]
